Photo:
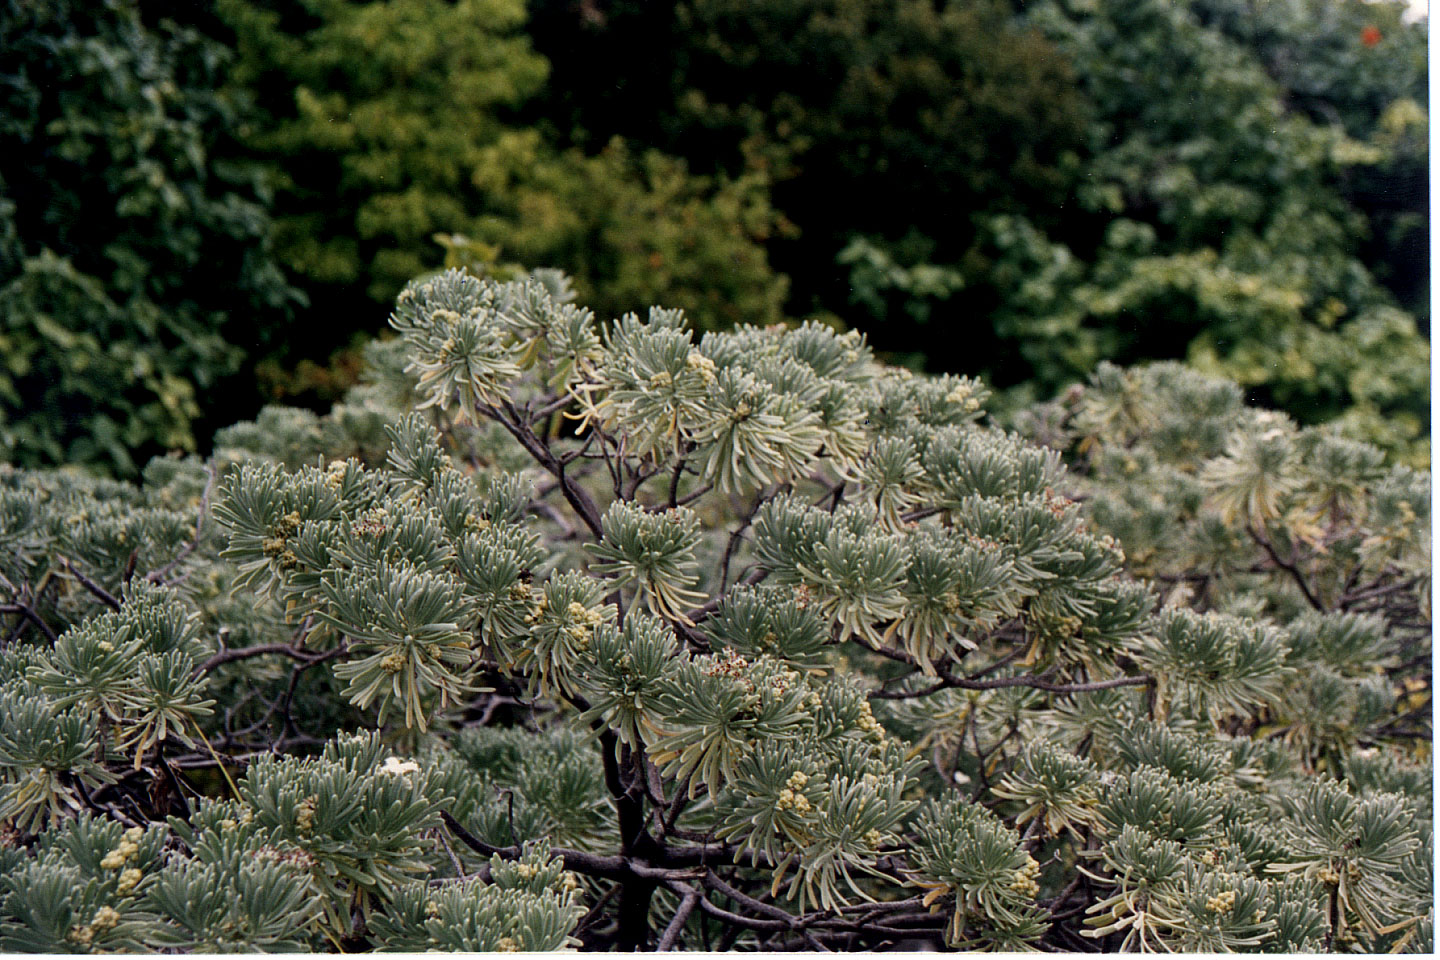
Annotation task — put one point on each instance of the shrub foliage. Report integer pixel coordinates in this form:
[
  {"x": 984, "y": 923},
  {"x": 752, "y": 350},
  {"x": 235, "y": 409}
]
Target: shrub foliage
[{"x": 741, "y": 640}]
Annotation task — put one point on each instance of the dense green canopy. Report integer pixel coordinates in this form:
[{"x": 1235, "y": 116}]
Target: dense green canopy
[
  {"x": 1052, "y": 182},
  {"x": 135, "y": 256}
]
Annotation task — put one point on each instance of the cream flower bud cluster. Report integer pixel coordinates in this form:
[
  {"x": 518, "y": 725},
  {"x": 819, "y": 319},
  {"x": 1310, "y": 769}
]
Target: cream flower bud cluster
[
  {"x": 702, "y": 365},
  {"x": 586, "y": 622},
  {"x": 962, "y": 395},
  {"x": 869, "y": 724},
  {"x": 1026, "y": 882},
  {"x": 298, "y": 859},
  {"x": 1331, "y": 877},
  {"x": 246, "y": 816},
  {"x": 305, "y": 814},
  {"x": 130, "y": 878},
  {"x": 791, "y": 798},
  {"x": 1222, "y": 902},
  {"x": 398, "y": 767},
  {"x": 128, "y": 849},
  {"x": 105, "y": 919}
]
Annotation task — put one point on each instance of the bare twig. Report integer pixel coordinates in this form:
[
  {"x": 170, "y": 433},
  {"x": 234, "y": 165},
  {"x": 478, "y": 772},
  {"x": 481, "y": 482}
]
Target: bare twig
[
  {"x": 543, "y": 509},
  {"x": 704, "y": 611},
  {"x": 159, "y": 575},
  {"x": 595, "y": 911},
  {"x": 29, "y": 614},
  {"x": 713, "y": 882},
  {"x": 739, "y": 532},
  {"x": 95, "y": 588},
  {"x": 541, "y": 453},
  {"x": 265, "y": 649},
  {"x": 590, "y": 864},
  {"x": 946, "y": 680},
  {"x": 735, "y": 919},
  {"x": 1374, "y": 592},
  {"x": 1288, "y": 566},
  {"x": 552, "y": 407},
  {"x": 450, "y": 851},
  {"x": 675, "y": 479},
  {"x": 677, "y": 922}
]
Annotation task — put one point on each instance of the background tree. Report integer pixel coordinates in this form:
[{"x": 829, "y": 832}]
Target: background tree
[
  {"x": 894, "y": 123},
  {"x": 134, "y": 255},
  {"x": 1037, "y": 172},
  {"x": 392, "y": 132},
  {"x": 1213, "y": 225},
  {"x": 1066, "y": 194},
  {"x": 1376, "y": 89}
]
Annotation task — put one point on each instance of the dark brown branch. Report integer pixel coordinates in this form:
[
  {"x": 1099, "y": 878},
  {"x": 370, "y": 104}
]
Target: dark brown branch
[
  {"x": 739, "y": 532},
  {"x": 677, "y": 803},
  {"x": 575, "y": 496},
  {"x": 704, "y": 611},
  {"x": 735, "y": 919},
  {"x": 582, "y": 451},
  {"x": 638, "y": 480},
  {"x": 675, "y": 480},
  {"x": 158, "y": 576},
  {"x": 450, "y": 852},
  {"x": 1288, "y": 566},
  {"x": 95, "y": 588},
  {"x": 590, "y": 864},
  {"x": 706, "y": 854},
  {"x": 597, "y": 909},
  {"x": 939, "y": 685},
  {"x": 543, "y": 509},
  {"x": 713, "y": 882},
  {"x": 265, "y": 649},
  {"x": 29, "y": 614},
  {"x": 1374, "y": 592},
  {"x": 934, "y": 688},
  {"x": 1004, "y": 661},
  {"x": 677, "y": 922},
  {"x": 552, "y": 407},
  {"x": 693, "y": 495},
  {"x": 871, "y": 910},
  {"x": 947, "y": 680}
]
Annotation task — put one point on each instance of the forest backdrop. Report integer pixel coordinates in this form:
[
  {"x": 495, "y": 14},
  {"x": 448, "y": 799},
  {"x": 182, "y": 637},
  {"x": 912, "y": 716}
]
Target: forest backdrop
[{"x": 1050, "y": 183}]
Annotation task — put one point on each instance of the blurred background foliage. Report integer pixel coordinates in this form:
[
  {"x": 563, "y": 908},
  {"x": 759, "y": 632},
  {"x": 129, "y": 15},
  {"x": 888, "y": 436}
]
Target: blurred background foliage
[
  {"x": 392, "y": 133},
  {"x": 1043, "y": 184},
  {"x": 136, "y": 267}
]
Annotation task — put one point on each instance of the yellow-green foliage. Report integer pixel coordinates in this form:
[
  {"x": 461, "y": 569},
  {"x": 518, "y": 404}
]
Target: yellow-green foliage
[{"x": 390, "y": 128}]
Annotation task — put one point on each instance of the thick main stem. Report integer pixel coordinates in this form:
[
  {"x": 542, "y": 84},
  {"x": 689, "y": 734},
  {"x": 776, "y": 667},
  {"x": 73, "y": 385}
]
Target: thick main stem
[{"x": 636, "y": 844}]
